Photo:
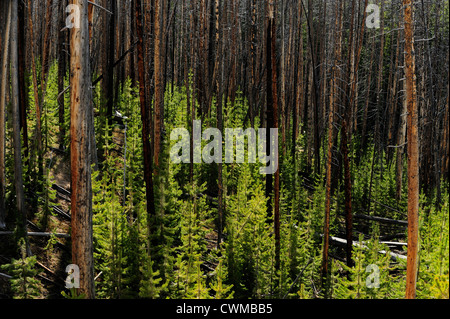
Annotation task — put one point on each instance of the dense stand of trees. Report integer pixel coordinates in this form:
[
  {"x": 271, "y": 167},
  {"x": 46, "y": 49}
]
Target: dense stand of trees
[{"x": 341, "y": 93}]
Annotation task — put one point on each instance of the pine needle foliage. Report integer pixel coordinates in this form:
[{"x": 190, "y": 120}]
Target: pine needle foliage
[{"x": 23, "y": 271}]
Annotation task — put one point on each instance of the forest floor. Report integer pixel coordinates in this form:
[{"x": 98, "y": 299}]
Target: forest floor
[
  {"x": 54, "y": 254},
  {"x": 53, "y": 257}
]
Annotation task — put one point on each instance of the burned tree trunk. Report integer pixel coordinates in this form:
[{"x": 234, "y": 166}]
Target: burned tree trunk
[
  {"x": 272, "y": 107},
  {"x": 111, "y": 57},
  {"x": 148, "y": 178},
  {"x": 333, "y": 101},
  {"x": 400, "y": 150},
  {"x": 61, "y": 74},
  {"x": 353, "y": 64},
  {"x": 18, "y": 169},
  {"x": 219, "y": 102},
  {"x": 80, "y": 160},
  {"x": 413, "y": 153},
  {"x": 23, "y": 96},
  {"x": 4, "y": 72},
  {"x": 159, "y": 80}
]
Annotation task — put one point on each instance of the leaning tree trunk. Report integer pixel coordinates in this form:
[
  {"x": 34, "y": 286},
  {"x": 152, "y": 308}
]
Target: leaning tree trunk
[
  {"x": 80, "y": 144},
  {"x": 413, "y": 153}
]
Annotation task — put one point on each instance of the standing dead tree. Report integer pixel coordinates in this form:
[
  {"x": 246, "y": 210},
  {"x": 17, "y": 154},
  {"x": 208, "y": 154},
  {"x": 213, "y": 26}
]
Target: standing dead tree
[
  {"x": 4, "y": 73},
  {"x": 333, "y": 102},
  {"x": 159, "y": 79},
  {"x": 17, "y": 143},
  {"x": 148, "y": 178},
  {"x": 80, "y": 147},
  {"x": 413, "y": 153},
  {"x": 272, "y": 109}
]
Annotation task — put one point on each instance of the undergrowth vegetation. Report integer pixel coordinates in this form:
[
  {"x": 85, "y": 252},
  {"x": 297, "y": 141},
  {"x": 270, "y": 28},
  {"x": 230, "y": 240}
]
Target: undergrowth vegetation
[{"x": 174, "y": 254}]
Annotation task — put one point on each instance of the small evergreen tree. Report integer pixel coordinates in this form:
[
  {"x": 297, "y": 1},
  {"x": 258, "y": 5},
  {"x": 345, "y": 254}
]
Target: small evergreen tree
[{"x": 24, "y": 284}]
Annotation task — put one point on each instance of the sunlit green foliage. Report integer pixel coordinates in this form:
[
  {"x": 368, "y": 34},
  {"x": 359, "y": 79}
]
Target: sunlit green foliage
[{"x": 174, "y": 253}]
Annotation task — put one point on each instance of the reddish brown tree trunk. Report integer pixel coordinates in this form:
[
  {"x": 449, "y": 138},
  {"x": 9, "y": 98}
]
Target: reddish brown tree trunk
[
  {"x": 148, "y": 178},
  {"x": 80, "y": 160},
  {"x": 413, "y": 153}
]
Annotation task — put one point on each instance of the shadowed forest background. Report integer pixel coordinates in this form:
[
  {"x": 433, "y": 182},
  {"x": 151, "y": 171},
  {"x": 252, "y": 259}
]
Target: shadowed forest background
[{"x": 359, "y": 205}]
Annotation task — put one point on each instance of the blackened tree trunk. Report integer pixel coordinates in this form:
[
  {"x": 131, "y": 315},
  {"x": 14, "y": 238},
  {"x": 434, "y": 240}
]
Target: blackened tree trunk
[
  {"x": 148, "y": 178},
  {"x": 220, "y": 48},
  {"x": 272, "y": 107},
  {"x": 269, "y": 112},
  {"x": 61, "y": 75},
  {"x": 111, "y": 56},
  {"x": 347, "y": 194},
  {"x": 18, "y": 170},
  {"x": 3, "y": 88},
  {"x": 314, "y": 90},
  {"x": 37, "y": 143},
  {"x": 344, "y": 140},
  {"x": 23, "y": 92},
  {"x": 159, "y": 79},
  {"x": 353, "y": 64},
  {"x": 300, "y": 84},
  {"x": 46, "y": 47},
  {"x": 333, "y": 101}
]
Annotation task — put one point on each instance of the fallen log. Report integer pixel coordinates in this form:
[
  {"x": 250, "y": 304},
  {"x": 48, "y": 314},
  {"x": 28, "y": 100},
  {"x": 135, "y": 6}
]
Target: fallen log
[
  {"x": 58, "y": 150},
  {"x": 51, "y": 272},
  {"x": 207, "y": 268},
  {"x": 382, "y": 219},
  {"x": 61, "y": 190},
  {"x": 393, "y": 236},
  {"x": 59, "y": 211},
  {"x": 58, "y": 243},
  {"x": 394, "y": 256},
  {"x": 393, "y": 243},
  {"x": 33, "y": 225},
  {"x": 386, "y": 206},
  {"x": 5, "y": 276},
  {"x": 37, "y": 234},
  {"x": 49, "y": 280}
]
